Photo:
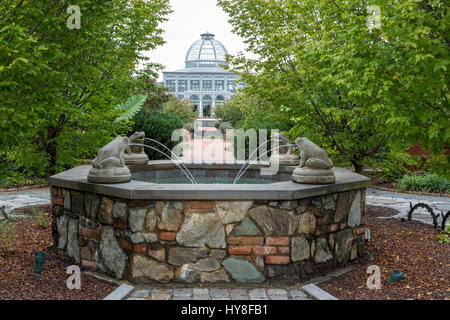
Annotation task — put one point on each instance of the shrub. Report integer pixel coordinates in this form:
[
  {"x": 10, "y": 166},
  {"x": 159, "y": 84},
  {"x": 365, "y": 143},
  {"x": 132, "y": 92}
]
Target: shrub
[
  {"x": 257, "y": 124},
  {"x": 224, "y": 126},
  {"x": 189, "y": 127},
  {"x": 40, "y": 217},
  {"x": 427, "y": 183},
  {"x": 8, "y": 231},
  {"x": 157, "y": 125},
  {"x": 444, "y": 237},
  {"x": 182, "y": 108},
  {"x": 229, "y": 111}
]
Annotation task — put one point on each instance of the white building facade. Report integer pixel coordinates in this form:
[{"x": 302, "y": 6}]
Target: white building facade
[{"x": 204, "y": 81}]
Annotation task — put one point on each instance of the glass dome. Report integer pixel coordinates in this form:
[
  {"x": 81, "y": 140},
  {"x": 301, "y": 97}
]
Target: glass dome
[{"x": 206, "y": 52}]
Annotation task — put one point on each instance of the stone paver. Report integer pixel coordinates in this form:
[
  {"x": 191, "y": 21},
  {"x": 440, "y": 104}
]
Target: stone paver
[
  {"x": 276, "y": 292},
  {"x": 161, "y": 294},
  {"x": 256, "y": 294},
  {"x": 219, "y": 293},
  {"x": 185, "y": 292},
  {"x": 295, "y": 293},
  {"x": 140, "y": 294},
  {"x": 200, "y": 294}
]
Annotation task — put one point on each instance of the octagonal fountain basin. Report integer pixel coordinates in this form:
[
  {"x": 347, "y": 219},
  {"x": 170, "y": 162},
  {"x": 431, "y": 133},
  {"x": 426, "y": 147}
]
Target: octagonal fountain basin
[{"x": 162, "y": 228}]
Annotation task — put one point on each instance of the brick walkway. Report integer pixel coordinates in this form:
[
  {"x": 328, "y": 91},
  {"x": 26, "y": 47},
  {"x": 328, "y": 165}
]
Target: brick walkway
[{"x": 209, "y": 148}]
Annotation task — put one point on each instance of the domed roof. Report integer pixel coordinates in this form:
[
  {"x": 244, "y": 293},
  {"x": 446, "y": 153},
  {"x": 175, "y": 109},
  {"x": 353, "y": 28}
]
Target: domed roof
[{"x": 206, "y": 52}]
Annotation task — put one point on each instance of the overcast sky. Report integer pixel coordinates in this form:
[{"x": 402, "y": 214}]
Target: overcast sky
[{"x": 189, "y": 19}]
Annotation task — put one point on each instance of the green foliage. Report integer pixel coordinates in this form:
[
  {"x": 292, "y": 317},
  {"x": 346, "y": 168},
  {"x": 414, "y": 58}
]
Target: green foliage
[
  {"x": 358, "y": 90},
  {"x": 159, "y": 126},
  {"x": 229, "y": 111},
  {"x": 444, "y": 237},
  {"x": 394, "y": 164},
  {"x": 8, "y": 232},
  {"x": 438, "y": 165},
  {"x": 426, "y": 183},
  {"x": 258, "y": 123},
  {"x": 40, "y": 217},
  {"x": 184, "y": 109},
  {"x": 156, "y": 94},
  {"x": 59, "y": 87},
  {"x": 11, "y": 175},
  {"x": 189, "y": 127},
  {"x": 224, "y": 126},
  {"x": 129, "y": 109}
]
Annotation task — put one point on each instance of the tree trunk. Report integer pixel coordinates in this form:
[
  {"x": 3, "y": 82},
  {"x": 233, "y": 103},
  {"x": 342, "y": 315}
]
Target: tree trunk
[{"x": 357, "y": 166}]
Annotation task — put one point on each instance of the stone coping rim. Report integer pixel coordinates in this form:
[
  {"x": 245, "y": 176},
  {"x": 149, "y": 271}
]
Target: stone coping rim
[{"x": 76, "y": 179}]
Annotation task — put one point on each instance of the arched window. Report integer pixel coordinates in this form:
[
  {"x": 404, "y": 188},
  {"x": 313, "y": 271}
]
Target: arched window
[
  {"x": 220, "y": 99},
  {"x": 206, "y": 104},
  {"x": 195, "y": 101},
  {"x": 207, "y": 100}
]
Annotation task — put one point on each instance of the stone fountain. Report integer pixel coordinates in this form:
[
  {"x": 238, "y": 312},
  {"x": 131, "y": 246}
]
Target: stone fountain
[{"x": 160, "y": 228}]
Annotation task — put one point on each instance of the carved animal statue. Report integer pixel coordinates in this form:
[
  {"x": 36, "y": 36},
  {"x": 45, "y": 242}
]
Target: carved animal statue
[
  {"x": 312, "y": 156},
  {"x": 137, "y": 137},
  {"x": 112, "y": 155},
  {"x": 283, "y": 140}
]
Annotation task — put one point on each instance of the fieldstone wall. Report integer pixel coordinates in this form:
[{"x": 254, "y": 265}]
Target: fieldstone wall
[{"x": 209, "y": 241}]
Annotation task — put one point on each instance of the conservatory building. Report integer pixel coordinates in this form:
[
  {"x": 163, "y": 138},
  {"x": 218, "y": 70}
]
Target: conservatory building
[{"x": 204, "y": 81}]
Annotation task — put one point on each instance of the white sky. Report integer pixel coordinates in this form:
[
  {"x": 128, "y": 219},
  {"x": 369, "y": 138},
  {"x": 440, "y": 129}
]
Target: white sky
[{"x": 189, "y": 19}]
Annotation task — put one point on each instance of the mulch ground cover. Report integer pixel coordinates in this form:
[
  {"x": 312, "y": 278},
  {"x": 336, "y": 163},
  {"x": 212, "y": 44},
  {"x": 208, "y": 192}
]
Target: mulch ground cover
[
  {"x": 408, "y": 246},
  {"x": 411, "y": 247},
  {"x": 17, "y": 269}
]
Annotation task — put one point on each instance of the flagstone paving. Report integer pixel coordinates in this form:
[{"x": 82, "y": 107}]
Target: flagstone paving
[
  {"x": 19, "y": 199},
  {"x": 219, "y": 294},
  {"x": 401, "y": 202}
]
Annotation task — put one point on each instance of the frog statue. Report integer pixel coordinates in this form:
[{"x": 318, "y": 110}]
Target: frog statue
[
  {"x": 109, "y": 165},
  {"x": 315, "y": 166},
  {"x": 285, "y": 155},
  {"x": 137, "y": 154}
]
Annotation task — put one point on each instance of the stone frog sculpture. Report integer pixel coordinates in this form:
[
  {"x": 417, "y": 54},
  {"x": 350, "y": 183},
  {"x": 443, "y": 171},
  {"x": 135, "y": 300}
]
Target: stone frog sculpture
[
  {"x": 109, "y": 165},
  {"x": 312, "y": 156},
  {"x": 137, "y": 154},
  {"x": 137, "y": 137},
  {"x": 284, "y": 155},
  {"x": 315, "y": 166},
  {"x": 112, "y": 155}
]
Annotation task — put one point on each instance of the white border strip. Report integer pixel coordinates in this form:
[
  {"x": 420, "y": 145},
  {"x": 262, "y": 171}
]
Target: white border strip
[
  {"x": 318, "y": 293},
  {"x": 120, "y": 292}
]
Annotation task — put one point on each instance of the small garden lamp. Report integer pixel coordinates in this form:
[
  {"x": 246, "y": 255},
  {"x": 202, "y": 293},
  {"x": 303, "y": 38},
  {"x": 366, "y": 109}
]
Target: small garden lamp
[
  {"x": 39, "y": 258},
  {"x": 396, "y": 275}
]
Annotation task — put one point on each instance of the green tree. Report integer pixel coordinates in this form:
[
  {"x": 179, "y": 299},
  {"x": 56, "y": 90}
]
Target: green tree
[
  {"x": 229, "y": 111},
  {"x": 59, "y": 87},
  {"x": 356, "y": 91},
  {"x": 157, "y": 95},
  {"x": 184, "y": 109}
]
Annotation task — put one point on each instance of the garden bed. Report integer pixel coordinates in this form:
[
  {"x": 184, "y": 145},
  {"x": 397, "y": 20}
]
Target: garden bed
[
  {"x": 411, "y": 247},
  {"x": 17, "y": 277}
]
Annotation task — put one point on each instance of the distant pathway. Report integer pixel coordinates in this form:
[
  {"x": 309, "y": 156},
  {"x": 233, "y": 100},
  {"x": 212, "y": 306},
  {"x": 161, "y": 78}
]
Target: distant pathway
[
  {"x": 401, "y": 202},
  {"x": 30, "y": 197},
  {"x": 210, "y": 148}
]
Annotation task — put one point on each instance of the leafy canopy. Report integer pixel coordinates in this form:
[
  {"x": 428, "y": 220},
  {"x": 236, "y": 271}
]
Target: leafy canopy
[
  {"x": 356, "y": 91},
  {"x": 59, "y": 87}
]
